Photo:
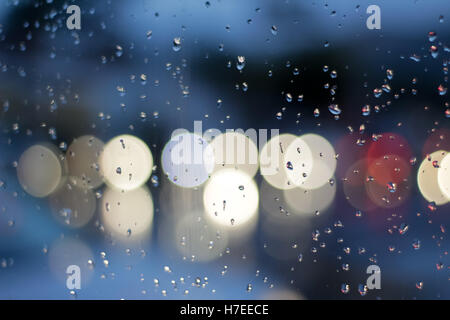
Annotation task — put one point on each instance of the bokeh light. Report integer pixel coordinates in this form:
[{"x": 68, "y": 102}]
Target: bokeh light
[
  {"x": 126, "y": 162},
  {"x": 388, "y": 143},
  {"x": 83, "y": 160},
  {"x": 187, "y": 160},
  {"x": 438, "y": 139},
  {"x": 354, "y": 186},
  {"x": 444, "y": 176},
  {"x": 127, "y": 215},
  {"x": 197, "y": 239},
  {"x": 234, "y": 150},
  {"x": 73, "y": 205},
  {"x": 324, "y": 161},
  {"x": 298, "y": 162},
  {"x": 41, "y": 170},
  {"x": 231, "y": 198},
  {"x": 389, "y": 168},
  {"x": 280, "y": 228},
  {"x": 272, "y": 163},
  {"x": 310, "y": 202},
  {"x": 427, "y": 178},
  {"x": 388, "y": 183}
]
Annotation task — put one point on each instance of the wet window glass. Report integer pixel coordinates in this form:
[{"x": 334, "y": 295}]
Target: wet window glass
[{"x": 156, "y": 149}]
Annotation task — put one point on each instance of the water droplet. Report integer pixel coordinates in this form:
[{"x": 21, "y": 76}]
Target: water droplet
[
  {"x": 432, "y": 206},
  {"x": 333, "y": 74},
  {"x": 391, "y": 186},
  {"x": 390, "y": 74},
  {"x": 416, "y": 244},
  {"x": 176, "y": 44},
  {"x": 288, "y": 97},
  {"x": 240, "y": 63},
  {"x": 334, "y": 109},
  {"x": 154, "y": 180},
  {"x": 435, "y": 164},
  {"x": 377, "y": 92},
  {"x": 119, "y": 51},
  {"x": 289, "y": 165},
  {"x": 345, "y": 288},
  {"x": 279, "y": 116},
  {"x": 366, "y": 110},
  {"x": 442, "y": 90},
  {"x": 403, "y": 228},
  {"x": 362, "y": 289},
  {"x": 434, "y": 51},
  {"x": 432, "y": 35},
  {"x": 274, "y": 30},
  {"x": 415, "y": 57}
]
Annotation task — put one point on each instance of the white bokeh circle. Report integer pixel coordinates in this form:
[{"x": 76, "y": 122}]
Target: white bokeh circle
[
  {"x": 298, "y": 162},
  {"x": 187, "y": 160},
  {"x": 127, "y": 215},
  {"x": 83, "y": 160},
  {"x": 427, "y": 178},
  {"x": 324, "y": 161},
  {"x": 234, "y": 150},
  {"x": 271, "y": 160},
  {"x": 126, "y": 162},
  {"x": 40, "y": 170},
  {"x": 231, "y": 198},
  {"x": 444, "y": 176}
]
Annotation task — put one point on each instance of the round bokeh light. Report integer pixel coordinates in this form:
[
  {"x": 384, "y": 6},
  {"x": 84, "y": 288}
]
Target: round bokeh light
[
  {"x": 428, "y": 178},
  {"x": 40, "y": 170},
  {"x": 231, "y": 198},
  {"x": 126, "y": 162},
  {"x": 83, "y": 161},
  {"x": 271, "y": 161},
  {"x": 127, "y": 215},
  {"x": 234, "y": 150},
  {"x": 444, "y": 176},
  {"x": 187, "y": 160}
]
